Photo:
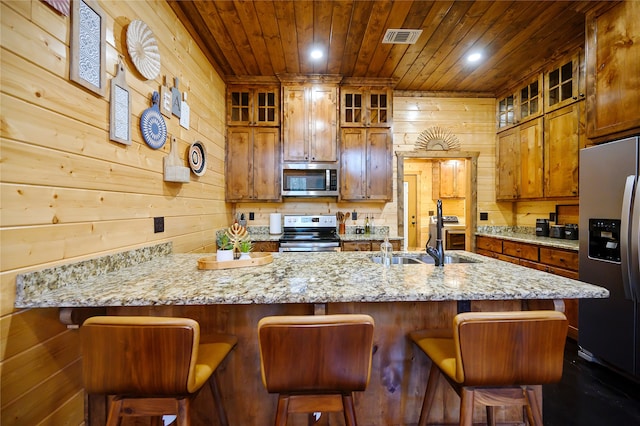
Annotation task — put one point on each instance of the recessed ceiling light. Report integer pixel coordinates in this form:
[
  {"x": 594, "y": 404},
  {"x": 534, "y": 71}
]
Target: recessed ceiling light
[
  {"x": 316, "y": 54},
  {"x": 474, "y": 57}
]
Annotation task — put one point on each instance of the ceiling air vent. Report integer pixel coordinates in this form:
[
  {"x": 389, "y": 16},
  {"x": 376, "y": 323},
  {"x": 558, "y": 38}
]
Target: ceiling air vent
[{"x": 400, "y": 36}]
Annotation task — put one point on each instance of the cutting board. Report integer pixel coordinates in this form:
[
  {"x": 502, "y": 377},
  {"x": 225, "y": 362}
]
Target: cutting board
[
  {"x": 257, "y": 259},
  {"x": 174, "y": 169}
]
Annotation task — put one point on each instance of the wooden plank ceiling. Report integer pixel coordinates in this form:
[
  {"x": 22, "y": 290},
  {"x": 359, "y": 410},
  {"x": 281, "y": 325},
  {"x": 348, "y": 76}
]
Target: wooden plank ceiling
[{"x": 271, "y": 37}]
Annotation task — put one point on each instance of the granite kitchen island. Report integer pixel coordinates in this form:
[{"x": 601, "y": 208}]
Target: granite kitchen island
[{"x": 401, "y": 298}]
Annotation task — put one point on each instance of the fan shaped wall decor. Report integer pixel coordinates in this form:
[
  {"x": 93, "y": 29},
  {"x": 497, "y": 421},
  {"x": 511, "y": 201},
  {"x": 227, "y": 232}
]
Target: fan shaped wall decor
[
  {"x": 143, "y": 49},
  {"x": 437, "y": 139}
]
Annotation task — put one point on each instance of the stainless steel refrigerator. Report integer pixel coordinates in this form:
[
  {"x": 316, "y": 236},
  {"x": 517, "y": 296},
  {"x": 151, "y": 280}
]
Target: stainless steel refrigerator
[{"x": 609, "y": 329}]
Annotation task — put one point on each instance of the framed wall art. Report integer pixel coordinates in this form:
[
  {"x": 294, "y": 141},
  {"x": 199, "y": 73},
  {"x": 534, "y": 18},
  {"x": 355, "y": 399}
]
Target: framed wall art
[
  {"x": 87, "y": 55},
  {"x": 120, "y": 117}
]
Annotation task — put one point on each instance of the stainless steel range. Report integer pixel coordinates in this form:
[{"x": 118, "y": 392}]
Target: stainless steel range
[{"x": 310, "y": 233}]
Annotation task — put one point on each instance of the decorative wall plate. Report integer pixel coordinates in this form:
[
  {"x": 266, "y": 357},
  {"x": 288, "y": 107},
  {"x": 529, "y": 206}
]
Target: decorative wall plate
[
  {"x": 198, "y": 158},
  {"x": 437, "y": 139},
  {"x": 143, "y": 49},
  {"x": 152, "y": 125}
]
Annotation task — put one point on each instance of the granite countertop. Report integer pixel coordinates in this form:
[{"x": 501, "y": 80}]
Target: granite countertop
[
  {"x": 524, "y": 237},
  {"x": 174, "y": 279}
]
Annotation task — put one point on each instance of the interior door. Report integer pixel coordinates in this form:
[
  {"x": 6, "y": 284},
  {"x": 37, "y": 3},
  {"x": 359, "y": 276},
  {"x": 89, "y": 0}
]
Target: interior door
[{"x": 413, "y": 215}]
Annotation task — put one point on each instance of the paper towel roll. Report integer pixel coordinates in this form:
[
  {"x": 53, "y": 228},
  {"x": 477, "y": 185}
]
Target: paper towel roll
[{"x": 275, "y": 223}]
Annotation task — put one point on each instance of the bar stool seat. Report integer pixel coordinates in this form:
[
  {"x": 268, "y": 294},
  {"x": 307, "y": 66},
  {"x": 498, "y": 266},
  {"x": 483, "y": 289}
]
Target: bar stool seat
[
  {"x": 316, "y": 362},
  {"x": 496, "y": 359},
  {"x": 153, "y": 366}
]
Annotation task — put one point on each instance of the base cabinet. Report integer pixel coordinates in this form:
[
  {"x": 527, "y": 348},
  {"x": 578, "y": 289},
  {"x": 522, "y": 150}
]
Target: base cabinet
[
  {"x": 548, "y": 259},
  {"x": 368, "y": 245},
  {"x": 266, "y": 246}
]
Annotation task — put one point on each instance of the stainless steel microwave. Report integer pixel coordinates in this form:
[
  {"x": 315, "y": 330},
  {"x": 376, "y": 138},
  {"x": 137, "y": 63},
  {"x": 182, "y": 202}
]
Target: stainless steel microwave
[{"x": 309, "y": 180}]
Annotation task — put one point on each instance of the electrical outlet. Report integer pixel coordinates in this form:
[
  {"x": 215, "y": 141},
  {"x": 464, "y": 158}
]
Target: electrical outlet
[
  {"x": 158, "y": 224},
  {"x": 251, "y": 216},
  {"x": 484, "y": 216}
]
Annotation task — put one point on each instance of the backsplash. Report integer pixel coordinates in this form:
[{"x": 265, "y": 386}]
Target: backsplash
[{"x": 506, "y": 229}]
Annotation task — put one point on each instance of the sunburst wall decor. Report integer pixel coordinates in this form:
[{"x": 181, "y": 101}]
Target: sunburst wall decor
[{"x": 437, "y": 139}]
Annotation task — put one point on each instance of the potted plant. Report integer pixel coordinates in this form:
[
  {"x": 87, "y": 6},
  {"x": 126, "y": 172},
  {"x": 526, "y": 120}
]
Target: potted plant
[
  {"x": 225, "y": 248},
  {"x": 245, "y": 247}
]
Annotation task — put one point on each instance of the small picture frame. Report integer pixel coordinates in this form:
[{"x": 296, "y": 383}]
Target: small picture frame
[{"x": 87, "y": 54}]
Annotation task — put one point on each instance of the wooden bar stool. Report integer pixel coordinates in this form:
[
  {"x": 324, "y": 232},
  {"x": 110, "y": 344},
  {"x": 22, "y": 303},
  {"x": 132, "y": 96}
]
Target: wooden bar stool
[
  {"x": 316, "y": 362},
  {"x": 153, "y": 366},
  {"x": 496, "y": 359}
]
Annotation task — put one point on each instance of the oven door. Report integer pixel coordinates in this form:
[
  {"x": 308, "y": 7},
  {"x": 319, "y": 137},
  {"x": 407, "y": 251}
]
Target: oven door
[{"x": 309, "y": 246}]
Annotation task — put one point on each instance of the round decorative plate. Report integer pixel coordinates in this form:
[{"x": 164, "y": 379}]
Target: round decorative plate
[
  {"x": 198, "y": 158},
  {"x": 152, "y": 125},
  {"x": 143, "y": 49}
]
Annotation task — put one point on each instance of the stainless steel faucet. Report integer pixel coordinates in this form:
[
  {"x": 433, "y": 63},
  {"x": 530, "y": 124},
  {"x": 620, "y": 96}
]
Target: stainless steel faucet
[{"x": 438, "y": 252}]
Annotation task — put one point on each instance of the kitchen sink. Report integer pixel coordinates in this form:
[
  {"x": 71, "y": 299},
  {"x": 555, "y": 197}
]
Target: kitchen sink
[
  {"x": 412, "y": 259},
  {"x": 398, "y": 260},
  {"x": 425, "y": 258}
]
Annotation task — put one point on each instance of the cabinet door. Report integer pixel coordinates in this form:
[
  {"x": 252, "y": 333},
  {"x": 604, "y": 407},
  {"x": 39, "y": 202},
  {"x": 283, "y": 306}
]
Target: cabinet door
[
  {"x": 379, "y": 164},
  {"x": 507, "y": 165},
  {"x": 266, "y": 108},
  {"x": 379, "y": 108},
  {"x": 563, "y": 83},
  {"x": 239, "y": 106},
  {"x": 295, "y": 126},
  {"x": 266, "y": 164},
  {"x": 239, "y": 170},
  {"x": 562, "y": 143},
  {"x": 531, "y": 159},
  {"x": 613, "y": 68},
  {"x": 449, "y": 179},
  {"x": 353, "y": 164},
  {"x": 352, "y": 108},
  {"x": 324, "y": 123}
]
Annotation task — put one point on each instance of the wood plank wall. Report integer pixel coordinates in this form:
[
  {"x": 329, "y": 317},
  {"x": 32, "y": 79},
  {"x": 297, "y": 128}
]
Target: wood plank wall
[
  {"x": 472, "y": 121},
  {"x": 68, "y": 193}
]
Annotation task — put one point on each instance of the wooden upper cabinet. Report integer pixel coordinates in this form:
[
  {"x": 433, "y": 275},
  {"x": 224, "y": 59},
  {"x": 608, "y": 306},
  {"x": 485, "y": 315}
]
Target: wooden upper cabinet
[
  {"x": 564, "y": 82},
  {"x": 310, "y": 122},
  {"x": 508, "y": 162},
  {"x": 449, "y": 179},
  {"x": 563, "y": 139},
  {"x": 253, "y": 164},
  {"x": 531, "y": 159},
  {"x": 365, "y": 107},
  {"x": 366, "y": 171},
  {"x": 613, "y": 71},
  {"x": 253, "y": 105}
]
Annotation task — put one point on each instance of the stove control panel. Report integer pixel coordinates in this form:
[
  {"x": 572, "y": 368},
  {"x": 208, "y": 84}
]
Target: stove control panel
[{"x": 310, "y": 221}]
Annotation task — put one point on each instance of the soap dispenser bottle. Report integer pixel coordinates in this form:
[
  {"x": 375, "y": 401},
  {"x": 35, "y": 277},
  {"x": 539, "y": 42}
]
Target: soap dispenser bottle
[{"x": 386, "y": 250}]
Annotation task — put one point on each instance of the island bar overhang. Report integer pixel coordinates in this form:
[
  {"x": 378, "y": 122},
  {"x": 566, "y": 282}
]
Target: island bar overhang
[{"x": 401, "y": 299}]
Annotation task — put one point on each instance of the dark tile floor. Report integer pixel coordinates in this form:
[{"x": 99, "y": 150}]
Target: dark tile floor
[{"x": 590, "y": 395}]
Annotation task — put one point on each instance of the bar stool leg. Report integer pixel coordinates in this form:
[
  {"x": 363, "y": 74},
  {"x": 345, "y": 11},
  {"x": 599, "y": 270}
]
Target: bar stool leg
[
  {"x": 217, "y": 398},
  {"x": 491, "y": 415},
  {"x": 429, "y": 393},
  {"x": 184, "y": 419},
  {"x": 349, "y": 410},
  {"x": 283, "y": 410},
  {"x": 114, "y": 412},
  {"x": 466, "y": 407}
]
